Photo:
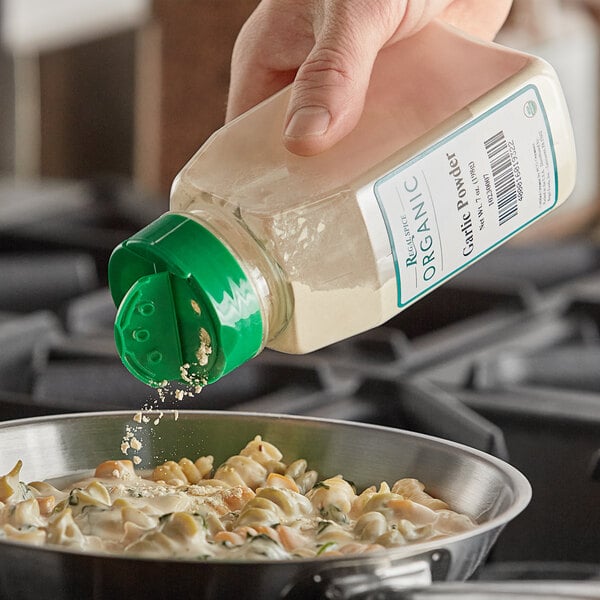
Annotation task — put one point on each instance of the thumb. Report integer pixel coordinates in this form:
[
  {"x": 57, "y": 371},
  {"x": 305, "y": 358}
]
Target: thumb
[{"x": 328, "y": 93}]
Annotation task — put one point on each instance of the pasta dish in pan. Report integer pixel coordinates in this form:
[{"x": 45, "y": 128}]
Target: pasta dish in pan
[{"x": 253, "y": 506}]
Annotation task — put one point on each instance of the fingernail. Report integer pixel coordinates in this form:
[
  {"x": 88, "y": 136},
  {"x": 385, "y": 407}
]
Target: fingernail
[{"x": 309, "y": 120}]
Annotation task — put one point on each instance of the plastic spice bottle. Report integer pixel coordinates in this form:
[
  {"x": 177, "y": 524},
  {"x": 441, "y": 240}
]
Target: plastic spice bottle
[{"x": 462, "y": 144}]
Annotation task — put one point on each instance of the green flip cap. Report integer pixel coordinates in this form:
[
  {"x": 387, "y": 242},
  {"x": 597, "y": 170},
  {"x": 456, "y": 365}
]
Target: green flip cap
[{"x": 186, "y": 310}]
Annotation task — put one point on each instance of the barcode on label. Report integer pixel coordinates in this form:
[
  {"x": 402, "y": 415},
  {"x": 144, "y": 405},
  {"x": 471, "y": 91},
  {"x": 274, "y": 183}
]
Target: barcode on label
[{"x": 503, "y": 177}]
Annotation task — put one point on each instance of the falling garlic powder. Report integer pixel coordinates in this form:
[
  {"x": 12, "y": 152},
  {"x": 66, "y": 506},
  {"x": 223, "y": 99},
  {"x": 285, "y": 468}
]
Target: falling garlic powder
[{"x": 195, "y": 383}]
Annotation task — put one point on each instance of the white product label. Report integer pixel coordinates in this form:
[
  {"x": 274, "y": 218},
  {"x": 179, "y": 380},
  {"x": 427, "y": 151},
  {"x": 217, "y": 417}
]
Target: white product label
[{"x": 468, "y": 193}]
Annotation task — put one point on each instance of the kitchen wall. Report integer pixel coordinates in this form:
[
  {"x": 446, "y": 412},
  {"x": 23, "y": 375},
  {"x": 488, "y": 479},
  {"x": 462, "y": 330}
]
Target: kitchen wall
[
  {"x": 134, "y": 95},
  {"x": 7, "y": 113},
  {"x": 183, "y": 76},
  {"x": 70, "y": 66}
]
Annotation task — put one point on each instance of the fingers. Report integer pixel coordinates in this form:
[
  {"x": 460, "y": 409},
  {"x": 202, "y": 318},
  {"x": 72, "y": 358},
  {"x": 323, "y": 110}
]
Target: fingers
[
  {"x": 253, "y": 86},
  {"x": 329, "y": 90},
  {"x": 250, "y": 82},
  {"x": 271, "y": 46},
  {"x": 327, "y": 48},
  {"x": 327, "y": 100}
]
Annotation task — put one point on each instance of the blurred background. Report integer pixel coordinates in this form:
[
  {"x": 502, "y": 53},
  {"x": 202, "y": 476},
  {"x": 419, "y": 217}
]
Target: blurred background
[
  {"x": 122, "y": 87},
  {"x": 103, "y": 101}
]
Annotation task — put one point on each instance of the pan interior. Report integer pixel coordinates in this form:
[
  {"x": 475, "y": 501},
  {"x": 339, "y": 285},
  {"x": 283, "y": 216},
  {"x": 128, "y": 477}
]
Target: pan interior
[{"x": 468, "y": 481}]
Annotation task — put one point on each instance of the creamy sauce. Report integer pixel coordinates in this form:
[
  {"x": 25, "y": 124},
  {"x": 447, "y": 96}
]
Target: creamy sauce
[{"x": 253, "y": 506}]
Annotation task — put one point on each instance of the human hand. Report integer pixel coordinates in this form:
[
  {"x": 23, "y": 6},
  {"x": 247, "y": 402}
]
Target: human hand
[{"x": 327, "y": 49}]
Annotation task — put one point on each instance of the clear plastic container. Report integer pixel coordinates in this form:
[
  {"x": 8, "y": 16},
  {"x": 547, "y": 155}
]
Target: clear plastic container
[{"x": 461, "y": 145}]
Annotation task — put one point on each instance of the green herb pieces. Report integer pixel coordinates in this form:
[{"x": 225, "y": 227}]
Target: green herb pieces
[{"x": 325, "y": 547}]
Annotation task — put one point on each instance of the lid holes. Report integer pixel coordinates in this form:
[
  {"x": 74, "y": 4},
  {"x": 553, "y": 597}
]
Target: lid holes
[
  {"x": 141, "y": 335},
  {"x": 154, "y": 357},
  {"x": 146, "y": 309}
]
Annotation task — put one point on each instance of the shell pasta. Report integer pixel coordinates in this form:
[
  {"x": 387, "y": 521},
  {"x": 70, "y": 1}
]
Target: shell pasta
[{"x": 253, "y": 506}]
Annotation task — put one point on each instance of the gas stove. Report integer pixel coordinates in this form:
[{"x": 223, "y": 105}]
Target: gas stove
[{"x": 505, "y": 358}]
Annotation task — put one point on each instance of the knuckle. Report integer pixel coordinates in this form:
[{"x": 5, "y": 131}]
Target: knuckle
[{"x": 325, "y": 66}]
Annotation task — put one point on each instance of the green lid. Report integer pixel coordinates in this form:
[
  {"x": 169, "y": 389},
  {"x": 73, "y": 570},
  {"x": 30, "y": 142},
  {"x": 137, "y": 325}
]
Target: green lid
[{"x": 187, "y": 311}]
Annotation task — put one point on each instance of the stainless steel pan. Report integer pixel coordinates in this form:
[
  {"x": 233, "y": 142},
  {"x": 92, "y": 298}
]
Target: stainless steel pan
[{"x": 487, "y": 489}]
